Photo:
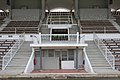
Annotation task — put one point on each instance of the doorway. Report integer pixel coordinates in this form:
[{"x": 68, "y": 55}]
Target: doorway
[{"x": 66, "y": 60}]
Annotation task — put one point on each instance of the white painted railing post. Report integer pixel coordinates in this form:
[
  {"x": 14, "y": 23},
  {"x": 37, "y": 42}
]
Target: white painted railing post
[
  {"x": 39, "y": 38},
  {"x": 3, "y": 63},
  {"x": 106, "y": 52},
  {"x": 113, "y": 62},
  {"x": 77, "y": 37}
]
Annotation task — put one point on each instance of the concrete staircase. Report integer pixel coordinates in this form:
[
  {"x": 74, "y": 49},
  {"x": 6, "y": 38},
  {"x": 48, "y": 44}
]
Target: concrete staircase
[
  {"x": 98, "y": 61},
  {"x": 21, "y": 58}
]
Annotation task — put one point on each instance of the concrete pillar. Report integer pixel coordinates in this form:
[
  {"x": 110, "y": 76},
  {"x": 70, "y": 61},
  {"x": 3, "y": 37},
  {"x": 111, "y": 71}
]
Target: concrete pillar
[
  {"x": 40, "y": 38},
  {"x": 76, "y": 57},
  {"x": 76, "y": 9},
  {"x": 109, "y": 16},
  {"x": 10, "y": 12},
  {"x": 77, "y": 37},
  {"x": 40, "y": 58},
  {"x": 43, "y": 9}
]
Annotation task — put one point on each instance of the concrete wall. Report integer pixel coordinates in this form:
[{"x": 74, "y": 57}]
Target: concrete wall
[
  {"x": 3, "y": 5},
  {"x": 50, "y": 62},
  {"x": 29, "y": 4},
  {"x": 93, "y": 13},
  {"x": 116, "y": 4},
  {"x": 26, "y": 14},
  {"x": 93, "y": 3},
  {"x": 51, "y": 4},
  {"x": 80, "y": 58}
]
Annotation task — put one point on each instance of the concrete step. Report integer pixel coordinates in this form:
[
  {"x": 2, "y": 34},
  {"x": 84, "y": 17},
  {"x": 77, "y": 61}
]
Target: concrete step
[
  {"x": 22, "y": 55},
  {"x": 106, "y": 71},
  {"x": 21, "y": 58},
  {"x": 100, "y": 65},
  {"x": 96, "y": 58}
]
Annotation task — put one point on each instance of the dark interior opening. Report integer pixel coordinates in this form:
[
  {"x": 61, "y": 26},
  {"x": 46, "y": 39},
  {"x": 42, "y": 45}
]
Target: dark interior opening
[{"x": 59, "y": 31}]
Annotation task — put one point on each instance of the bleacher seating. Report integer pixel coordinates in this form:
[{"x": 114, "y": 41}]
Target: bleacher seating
[
  {"x": 5, "y": 46},
  {"x": 114, "y": 46},
  {"x": 19, "y": 27},
  {"x": 97, "y": 26}
]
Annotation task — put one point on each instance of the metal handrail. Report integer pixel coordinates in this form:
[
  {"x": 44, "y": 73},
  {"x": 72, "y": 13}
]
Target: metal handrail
[
  {"x": 30, "y": 61},
  {"x": 105, "y": 51}
]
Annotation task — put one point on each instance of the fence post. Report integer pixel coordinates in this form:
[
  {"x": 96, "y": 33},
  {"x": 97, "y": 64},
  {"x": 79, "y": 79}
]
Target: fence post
[
  {"x": 106, "y": 52},
  {"x": 11, "y": 52},
  {"x": 3, "y": 63},
  {"x": 113, "y": 62},
  {"x": 39, "y": 38},
  {"x": 77, "y": 37}
]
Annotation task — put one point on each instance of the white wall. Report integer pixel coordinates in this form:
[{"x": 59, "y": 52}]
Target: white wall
[
  {"x": 80, "y": 58},
  {"x": 93, "y": 13},
  {"x": 50, "y": 62},
  {"x": 26, "y": 14}
]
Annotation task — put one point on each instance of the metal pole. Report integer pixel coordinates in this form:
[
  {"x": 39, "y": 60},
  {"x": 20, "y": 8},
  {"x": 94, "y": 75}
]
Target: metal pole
[
  {"x": 76, "y": 57},
  {"x": 40, "y": 58}
]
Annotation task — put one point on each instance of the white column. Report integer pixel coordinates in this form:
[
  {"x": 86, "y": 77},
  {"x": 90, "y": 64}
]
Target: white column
[{"x": 39, "y": 38}]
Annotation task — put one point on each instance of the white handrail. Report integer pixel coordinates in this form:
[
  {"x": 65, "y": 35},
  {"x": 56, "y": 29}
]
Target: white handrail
[
  {"x": 77, "y": 38},
  {"x": 30, "y": 66},
  {"x": 105, "y": 51}
]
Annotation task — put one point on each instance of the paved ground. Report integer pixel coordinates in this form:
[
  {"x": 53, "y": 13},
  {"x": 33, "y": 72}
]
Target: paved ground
[{"x": 59, "y": 71}]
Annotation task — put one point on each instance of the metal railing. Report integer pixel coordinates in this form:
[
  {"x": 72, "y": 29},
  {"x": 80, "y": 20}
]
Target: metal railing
[
  {"x": 104, "y": 31},
  {"x": 10, "y": 54},
  {"x": 30, "y": 65},
  {"x": 105, "y": 51},
  {"x": 64, "y": 38}
]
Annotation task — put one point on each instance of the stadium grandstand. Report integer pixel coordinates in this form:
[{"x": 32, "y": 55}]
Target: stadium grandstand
[{"x": 59, "y": 39}]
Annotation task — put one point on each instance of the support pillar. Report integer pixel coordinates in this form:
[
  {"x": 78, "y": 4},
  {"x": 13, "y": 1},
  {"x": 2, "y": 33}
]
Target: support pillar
[
  {"x": 40, "y": 58},
  {"x": 76, "y": 9},
  {"x": 43, "y": 8},
  {"x": 76, "y": 57}
]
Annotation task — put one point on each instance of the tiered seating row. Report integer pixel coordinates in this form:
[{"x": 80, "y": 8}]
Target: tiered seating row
[
  {"x": 21, "y": 27},
  {"x": 97, "y": 26},
  {"x": 114, "y": 46},
  {"x": 5, "y": 46}
]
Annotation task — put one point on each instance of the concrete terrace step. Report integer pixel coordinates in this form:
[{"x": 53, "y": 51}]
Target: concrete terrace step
[
  {"x": 96, "y": 58},
  {"x": 21, "y": 58}
]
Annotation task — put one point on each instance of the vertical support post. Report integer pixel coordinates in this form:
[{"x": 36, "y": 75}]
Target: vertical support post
[
  {"x": 43, "y": 9},
  {"x": 68, "y": 34},
  {"x": 77, "y": 37},
  {"x": 109, "y": 9},
  {"x": 50, "y": 34},
  {"x": 106, "y": 52},
  {"x": 76, "y": 57},
  {"x": 39, "y": 38},
  {"x": 76, "y": 8},
  {"x": 40, "y": 58}
]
